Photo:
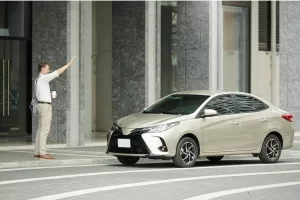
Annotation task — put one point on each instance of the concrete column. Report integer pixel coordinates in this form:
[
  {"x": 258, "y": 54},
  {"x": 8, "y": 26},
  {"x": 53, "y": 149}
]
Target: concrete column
[
  {"x": 86, "y": 71},
  {"x": 73, "y": 74},
  {"x": 213, "y": 45},
  {"x": 150, "y": 41},
  {"x": 254, "y": 45},
  {"x": 275, "y": 68}
]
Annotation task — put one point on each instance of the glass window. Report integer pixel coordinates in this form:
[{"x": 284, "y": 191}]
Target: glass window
[
  {"x": 177, "y": 104},
  {"x": 14, "y": 18},
  {"x": 222, "y": 104},
  {"x": 260, "y": 105},
  {"x": 248, "y": 104},
  {"x": 236, "y": 46},
  {"x": 245, "y": 103}
]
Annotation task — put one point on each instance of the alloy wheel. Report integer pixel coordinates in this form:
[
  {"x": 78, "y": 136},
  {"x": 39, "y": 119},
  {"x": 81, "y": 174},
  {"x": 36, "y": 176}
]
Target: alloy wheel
[
  {"x": 272, "y": 147},
  {"x": 188, "y": 152}
]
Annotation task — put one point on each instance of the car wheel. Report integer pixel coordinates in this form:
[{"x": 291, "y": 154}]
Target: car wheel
[
  {"x": 186, "y": 153},
  {"x": 215, "y": 158},
  {"x": 128, "y": 160},
  {"x": 271, "y": 149}
]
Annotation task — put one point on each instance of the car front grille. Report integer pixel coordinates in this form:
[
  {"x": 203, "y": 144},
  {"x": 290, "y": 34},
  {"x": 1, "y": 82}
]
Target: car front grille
[{"x": 138, "y": 146}]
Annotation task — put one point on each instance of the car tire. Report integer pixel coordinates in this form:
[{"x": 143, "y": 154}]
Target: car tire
[
  {"x": 271, "y": 149},
  {"x": 189, "y": 155},
  {"x": 128, "y": 160},
  {"x": 214, "y": 158}
]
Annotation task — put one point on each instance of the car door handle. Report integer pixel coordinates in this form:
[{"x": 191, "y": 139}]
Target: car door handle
[
  {"x": 234, "y": 123},
  {"x": 263, "y": 120}
]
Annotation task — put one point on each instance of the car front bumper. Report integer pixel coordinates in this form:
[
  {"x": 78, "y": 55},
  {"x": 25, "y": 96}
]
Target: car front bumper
[{"x": 141, "y": 145}]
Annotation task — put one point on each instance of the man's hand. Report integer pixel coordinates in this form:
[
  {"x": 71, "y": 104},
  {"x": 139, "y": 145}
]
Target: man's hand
[
  {"x": 62, "y": 69},
  {"x": 71, "y": 61}
]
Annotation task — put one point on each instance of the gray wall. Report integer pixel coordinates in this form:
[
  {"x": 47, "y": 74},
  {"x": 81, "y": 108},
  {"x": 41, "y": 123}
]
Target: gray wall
[
  {"x": 49, "y": 44},
  {"x": 290, "y": 59},
  {"x": 193, "y": 45},
  {"x": 128, "y": 65}
]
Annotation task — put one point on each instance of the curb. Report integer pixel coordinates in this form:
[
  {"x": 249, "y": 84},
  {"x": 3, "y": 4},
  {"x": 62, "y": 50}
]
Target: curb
[
  {"x": 51, "y": 163},
  {"x": 52, "y": 146}
]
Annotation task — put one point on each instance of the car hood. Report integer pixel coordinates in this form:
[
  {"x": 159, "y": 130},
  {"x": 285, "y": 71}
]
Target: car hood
[{"x": 141, "y": 120}]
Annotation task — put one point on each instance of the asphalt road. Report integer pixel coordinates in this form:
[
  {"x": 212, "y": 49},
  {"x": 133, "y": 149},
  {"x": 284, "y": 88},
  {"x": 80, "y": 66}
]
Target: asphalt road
[{"x": 240, "y": 178}]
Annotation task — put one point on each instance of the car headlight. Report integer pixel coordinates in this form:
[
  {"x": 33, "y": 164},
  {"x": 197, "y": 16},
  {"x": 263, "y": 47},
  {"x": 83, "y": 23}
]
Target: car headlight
[
  {"x": 159, "y": 128},
  {"x": 114, "y": 128}
]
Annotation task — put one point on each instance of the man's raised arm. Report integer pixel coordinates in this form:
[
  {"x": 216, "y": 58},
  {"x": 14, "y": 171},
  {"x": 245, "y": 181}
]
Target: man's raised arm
[{"x": 62, "y": 69}]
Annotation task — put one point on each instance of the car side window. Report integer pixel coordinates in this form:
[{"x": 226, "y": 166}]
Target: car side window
[
  {"x": 248, "y": 104},
  {"x": 260, "y": 105},
  {"x": 222, "y": 104},
  {"x": 245, "y": 103}
]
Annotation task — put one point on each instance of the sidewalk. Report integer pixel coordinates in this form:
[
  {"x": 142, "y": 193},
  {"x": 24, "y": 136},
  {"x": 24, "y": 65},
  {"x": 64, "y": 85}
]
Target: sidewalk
[{"x": 22, "y": 156}]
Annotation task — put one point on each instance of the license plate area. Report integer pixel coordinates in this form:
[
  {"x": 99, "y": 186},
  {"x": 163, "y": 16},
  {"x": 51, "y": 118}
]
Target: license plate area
[{"x": 124, "y": 143}]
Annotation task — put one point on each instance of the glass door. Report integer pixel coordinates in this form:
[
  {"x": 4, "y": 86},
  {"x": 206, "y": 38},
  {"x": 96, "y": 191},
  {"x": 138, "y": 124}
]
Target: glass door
[
  {"x": 13, "y": 90},
  {"x": 236, "y": 62}
]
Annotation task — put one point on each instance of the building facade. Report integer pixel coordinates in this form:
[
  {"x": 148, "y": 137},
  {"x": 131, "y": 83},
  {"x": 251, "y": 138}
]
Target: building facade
[{"x": 130, "y": 54}]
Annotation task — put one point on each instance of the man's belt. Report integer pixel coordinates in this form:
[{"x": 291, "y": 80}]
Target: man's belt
[{"x": 44, "y": 102}]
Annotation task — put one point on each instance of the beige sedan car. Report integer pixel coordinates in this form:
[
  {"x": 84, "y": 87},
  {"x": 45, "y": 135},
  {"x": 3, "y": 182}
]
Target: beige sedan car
[{"x": 185, "y": 125}]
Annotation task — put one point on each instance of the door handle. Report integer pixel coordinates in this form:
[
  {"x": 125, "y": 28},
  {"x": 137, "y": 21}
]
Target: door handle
[
  {"x": 8, "y": 89},
  {"x": 3, "y": 85},
  {"x": 263, "y": 120},
  {"x": 234, "y": 123}
]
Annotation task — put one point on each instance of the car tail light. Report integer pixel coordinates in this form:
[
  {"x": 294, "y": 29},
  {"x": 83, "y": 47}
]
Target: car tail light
[{"x": 287, "y": 117}]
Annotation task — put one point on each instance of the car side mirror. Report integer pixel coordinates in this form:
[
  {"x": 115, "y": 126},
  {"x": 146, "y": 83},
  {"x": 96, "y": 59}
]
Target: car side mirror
[{"x": 209, "y": 113}]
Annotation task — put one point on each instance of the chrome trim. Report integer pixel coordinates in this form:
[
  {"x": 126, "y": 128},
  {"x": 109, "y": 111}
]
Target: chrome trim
[{"x": 125, "y": 154}]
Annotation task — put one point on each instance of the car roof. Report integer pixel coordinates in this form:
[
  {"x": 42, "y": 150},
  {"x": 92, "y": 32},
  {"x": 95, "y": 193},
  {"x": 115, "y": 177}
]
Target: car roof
[
  {"x": 201, "y": 92},
  {"x": 218, "y": 92},
  {"x": 211, "y": 92}
]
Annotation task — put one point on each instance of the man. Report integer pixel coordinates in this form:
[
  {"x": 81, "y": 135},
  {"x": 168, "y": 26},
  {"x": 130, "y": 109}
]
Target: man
[{"x": 44, "y": 107}]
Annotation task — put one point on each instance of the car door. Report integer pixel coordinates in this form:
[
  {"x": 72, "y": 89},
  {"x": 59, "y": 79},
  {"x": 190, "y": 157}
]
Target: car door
[
  {"x": 221, "y": 133},
  {"x": 253, "y": 119}
]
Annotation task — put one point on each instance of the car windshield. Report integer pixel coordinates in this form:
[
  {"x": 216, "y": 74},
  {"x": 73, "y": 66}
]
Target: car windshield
[{"x": 177, "y": 104}]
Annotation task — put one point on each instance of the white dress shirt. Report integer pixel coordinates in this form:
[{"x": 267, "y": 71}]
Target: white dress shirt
[{"x": 43, "y": 92}]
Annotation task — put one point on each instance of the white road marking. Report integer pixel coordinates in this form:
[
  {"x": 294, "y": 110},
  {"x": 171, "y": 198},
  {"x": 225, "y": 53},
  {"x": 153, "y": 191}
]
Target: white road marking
[
  {"x": 130, "y": 185},
  {"x": 96, "y": 165},
  {"x": 291, "y": 151},
  {"x": 70, "y": 154},
  {"x": 290, "y": 157},
  {"x": 53, "y": 167},
  {"x": 134, "y": 171},
  {"x": 297, "y": 134},
  {"x": 240, "y": 190}
]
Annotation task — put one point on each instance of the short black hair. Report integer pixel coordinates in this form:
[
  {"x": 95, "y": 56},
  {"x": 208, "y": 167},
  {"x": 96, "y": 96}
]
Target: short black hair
[{"x": 42, "y": 65}]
